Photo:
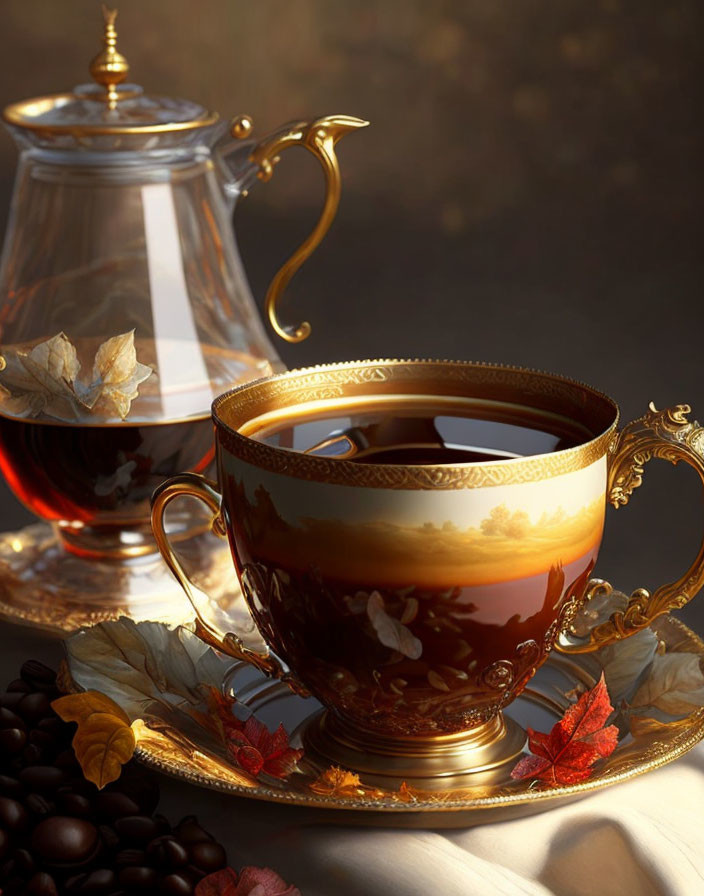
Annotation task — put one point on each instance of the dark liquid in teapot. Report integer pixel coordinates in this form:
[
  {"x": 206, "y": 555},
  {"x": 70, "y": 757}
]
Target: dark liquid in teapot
[
  {"x": 97, "y": 472},
  {"x": 82, "y": 473},
  {"x": 421, "y": 433}
]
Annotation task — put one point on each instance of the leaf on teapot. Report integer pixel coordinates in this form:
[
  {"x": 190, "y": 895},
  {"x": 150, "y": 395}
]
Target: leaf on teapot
[
  {"x": 27, "y": 404},
  {"x": 675, "y": 685},
  {"x": 45, "y": 380},
  {"x": 117, "y": 375},
  {"x": 390, "y": 631},
  {"x": 116, "y": 359},
  {"x": 57, "y": 357},
  {"x": 42, "y": 380}
]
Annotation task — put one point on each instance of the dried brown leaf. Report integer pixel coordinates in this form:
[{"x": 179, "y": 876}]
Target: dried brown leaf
[{"x": 675, "y": 685}]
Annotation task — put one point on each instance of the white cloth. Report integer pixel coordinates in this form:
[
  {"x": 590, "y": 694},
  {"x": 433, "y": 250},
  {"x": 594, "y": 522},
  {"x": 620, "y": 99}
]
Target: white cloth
[{"x": 643, "y": 838}]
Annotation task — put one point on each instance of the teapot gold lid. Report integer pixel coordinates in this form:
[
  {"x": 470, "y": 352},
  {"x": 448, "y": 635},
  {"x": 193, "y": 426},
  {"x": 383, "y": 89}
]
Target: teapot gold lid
[{"x": 108, "y": 106}]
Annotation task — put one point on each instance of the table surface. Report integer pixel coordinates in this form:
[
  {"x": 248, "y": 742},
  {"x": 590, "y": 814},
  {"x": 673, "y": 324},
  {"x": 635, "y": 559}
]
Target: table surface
[{"x": 643, "y": 837}]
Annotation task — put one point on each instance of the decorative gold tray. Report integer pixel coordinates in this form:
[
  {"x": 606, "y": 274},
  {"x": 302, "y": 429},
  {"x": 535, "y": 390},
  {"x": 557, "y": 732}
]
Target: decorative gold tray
[{"x": 661, "y": 666}]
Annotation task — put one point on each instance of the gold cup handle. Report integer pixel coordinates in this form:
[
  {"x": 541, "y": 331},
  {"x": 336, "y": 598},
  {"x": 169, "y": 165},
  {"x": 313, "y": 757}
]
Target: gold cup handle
[
  {"x": 318, "y": 137},
  {"x": 671, "y": 436},
  {"x": 229, "y": 643}
]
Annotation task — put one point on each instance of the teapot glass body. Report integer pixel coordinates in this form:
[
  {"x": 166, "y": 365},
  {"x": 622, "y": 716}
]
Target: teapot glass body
[{"x": 124, "y": 310}]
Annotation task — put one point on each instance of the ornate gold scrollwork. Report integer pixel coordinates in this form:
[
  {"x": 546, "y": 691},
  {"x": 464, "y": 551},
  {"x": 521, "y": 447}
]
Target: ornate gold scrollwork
[
  {"x": 318, "y": 137},
  {"x": 668, "y": 435}
]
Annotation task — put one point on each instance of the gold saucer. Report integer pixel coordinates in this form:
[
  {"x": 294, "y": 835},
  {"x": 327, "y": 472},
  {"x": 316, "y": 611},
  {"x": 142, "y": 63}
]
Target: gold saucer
[
  {"x": 175, "y": 736},
  {"x": 44, "y": 586}
]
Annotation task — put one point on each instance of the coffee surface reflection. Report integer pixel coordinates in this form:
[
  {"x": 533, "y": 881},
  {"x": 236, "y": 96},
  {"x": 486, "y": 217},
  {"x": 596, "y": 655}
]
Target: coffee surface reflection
[{"x": 417, "y": 433}]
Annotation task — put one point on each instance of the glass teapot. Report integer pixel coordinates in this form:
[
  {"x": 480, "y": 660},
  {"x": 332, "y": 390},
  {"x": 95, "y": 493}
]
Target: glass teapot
[{"x": 124, "y": 307}]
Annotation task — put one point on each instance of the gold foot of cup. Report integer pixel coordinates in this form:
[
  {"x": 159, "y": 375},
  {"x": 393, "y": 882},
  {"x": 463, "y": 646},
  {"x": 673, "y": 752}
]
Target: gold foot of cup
[{"x": 434, "y": 763}]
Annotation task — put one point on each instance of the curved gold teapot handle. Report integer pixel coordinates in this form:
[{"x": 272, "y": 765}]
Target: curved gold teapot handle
[
  {"x": 318, "y": 137},
  {"x": 668, "y": 435}
]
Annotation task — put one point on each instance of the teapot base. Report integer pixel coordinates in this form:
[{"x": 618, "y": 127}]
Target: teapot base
[
  {"x": 44, "y": 585},
  {"x": 477, "y": 756}
]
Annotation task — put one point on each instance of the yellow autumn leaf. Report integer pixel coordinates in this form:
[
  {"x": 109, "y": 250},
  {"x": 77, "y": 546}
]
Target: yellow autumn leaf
[
  {"x": 336, "y": 781},
  {"x": 407, "y": 794},
  {"x": 78, "y": 707},
  {"x": 103, "y": 744},
  {"x": 104, "y": 741}
]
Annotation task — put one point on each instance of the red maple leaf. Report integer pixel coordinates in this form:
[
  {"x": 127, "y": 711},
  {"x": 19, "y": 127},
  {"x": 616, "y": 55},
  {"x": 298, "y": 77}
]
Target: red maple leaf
[
  {"x": 567, "y": 755},
  {"x": 252, "y": 746},
  {"x": 256, "y": 749}
]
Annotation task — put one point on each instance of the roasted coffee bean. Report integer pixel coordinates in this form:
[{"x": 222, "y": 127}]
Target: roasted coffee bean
[
  {"x": 80, "y": 785},
  {"x": 34, "y": 707},
  {"x": 11, "y": 699},
  {"x": 37, "y": 674},
  {"x": 94, "y": 883},
  {"x": 127, "y": 857},
  {"x": 12, "y": 740},
  {"x": 10, "y": 719},
  {"x": 42, "y": 884},
  {"x": 13, "y": 815},
  {"x": 39, "y": 805},
  {"x": 14, "y": 886},
  {"x": 24, "y": 861},
  {"x": 101, "y": 881},
  {"x": 62, "y": 840},
  {"x": 109, "y": 837},
  {"x": 33, "y": 755},
  {"x": 136, "y": 829},
  {"x": 42, "y": 778},
  {"x": 74, "y": 804},
  {"x": 207, "y": 855},
  {"x": 139, "y": 786},
  {"x": 163, "y": 825},
  {"x": 66, "y": 760},
  {"x": 138, "y": 878},
  {"x": 53, "y": 726},
  {"x": 4, "y": 843},
  {"x": 112, "y": 805},
  {"x": 11, "y": 787},
  {"x": 175, "y": 885},
  {"x": 167, "y": 852},
  {"x": 189, "y": 831},
  {"x": 43, "y": 740}
]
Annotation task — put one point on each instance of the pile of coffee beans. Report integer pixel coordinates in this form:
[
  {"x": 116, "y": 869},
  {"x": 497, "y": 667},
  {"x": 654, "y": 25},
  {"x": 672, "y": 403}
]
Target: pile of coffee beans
[{"x": 60, "y": 835}]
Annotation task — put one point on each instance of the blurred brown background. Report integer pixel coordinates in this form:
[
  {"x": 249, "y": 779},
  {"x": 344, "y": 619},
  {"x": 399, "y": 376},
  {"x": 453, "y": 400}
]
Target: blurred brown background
[{"x": 530, "y": 190}]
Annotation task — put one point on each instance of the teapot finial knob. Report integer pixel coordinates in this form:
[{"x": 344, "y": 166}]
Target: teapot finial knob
[{"x": 109, "y": 68}]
